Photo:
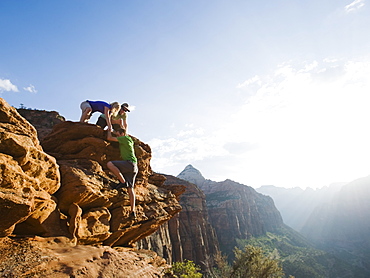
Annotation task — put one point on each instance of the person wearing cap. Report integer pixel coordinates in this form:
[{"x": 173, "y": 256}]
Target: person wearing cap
[
  {"x": 126, "y": 169},
  {"x": 89, "y": 107},
  {"x": 118, "y": 121}
]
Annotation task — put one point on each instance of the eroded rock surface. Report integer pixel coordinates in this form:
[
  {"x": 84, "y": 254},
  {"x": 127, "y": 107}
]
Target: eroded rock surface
[
  {"x": 28, "y": 175},
  {"x": 57, "y": 257},
  {"x": 62, "y": 188},
  {"x": 189, "y": 235}
]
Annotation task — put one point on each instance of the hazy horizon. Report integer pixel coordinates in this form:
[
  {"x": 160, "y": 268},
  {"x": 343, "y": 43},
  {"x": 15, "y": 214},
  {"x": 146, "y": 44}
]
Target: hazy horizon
[
  {"x": 333, "y": 185},
  {"x": 273, "y": 93}
]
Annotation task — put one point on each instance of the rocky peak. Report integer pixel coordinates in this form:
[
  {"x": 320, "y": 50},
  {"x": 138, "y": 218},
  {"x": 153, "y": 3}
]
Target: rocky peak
[
  {"x": 236, "y": 211},
  {"x": 192, "y": 175}
]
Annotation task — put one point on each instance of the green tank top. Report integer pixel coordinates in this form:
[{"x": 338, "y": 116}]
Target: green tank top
[{"x": 126, "y": 148}]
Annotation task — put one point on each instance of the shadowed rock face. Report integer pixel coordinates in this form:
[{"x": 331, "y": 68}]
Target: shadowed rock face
[
  {"x": 192, "y": 235},
  {"x": 189, "y": 233},
  {"x": 62, "y": 187}
]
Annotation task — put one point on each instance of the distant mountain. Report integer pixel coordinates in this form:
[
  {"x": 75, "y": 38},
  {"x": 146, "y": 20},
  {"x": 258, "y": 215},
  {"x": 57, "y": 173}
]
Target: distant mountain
[
  {"x": 297, "y": 204},
  {"x": 236, "y": 211},
  {"x": 334, "y": 218},
  {"x": 193, "y": 175},
  {"x": 342, "y": 226},
  {"x": 240, "y": 215}
]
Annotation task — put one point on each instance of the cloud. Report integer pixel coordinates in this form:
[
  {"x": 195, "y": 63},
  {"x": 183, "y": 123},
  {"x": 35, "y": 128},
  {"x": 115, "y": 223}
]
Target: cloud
[
  {"x": 305, "y": 98},
  {"x": 253, "y": 80},
  {"x": 7, "y": 86},
  {"x": 188, "y": 132},
  {"x": 312, "y": 116},
  {"x": 303, "y": 125},
  {"x": 239, "y": 147},
  {"x": 355, "y": 5},
  {"x": 30, "y": 89},
  {"x": 186, "y": 147}
]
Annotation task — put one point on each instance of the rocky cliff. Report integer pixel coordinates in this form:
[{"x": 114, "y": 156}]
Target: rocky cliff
[
  {"x": 191, "y": 235},
  {"x": 61, "y": 188},
  {"x": 43, "y": 121},
  {"x": 236, "y": 211}
]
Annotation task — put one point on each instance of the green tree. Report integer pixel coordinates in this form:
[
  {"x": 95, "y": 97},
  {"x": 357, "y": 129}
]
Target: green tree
[
  {"x": 186, "y": 269},
  {"x": 253, "y": 263},
  {"x": 223, "y": 268}
]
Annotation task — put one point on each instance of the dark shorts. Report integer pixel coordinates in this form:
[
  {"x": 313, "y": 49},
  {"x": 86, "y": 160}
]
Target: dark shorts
[
  {"x": 128, "y": 169},
  {"x": 103, "y": 123}
]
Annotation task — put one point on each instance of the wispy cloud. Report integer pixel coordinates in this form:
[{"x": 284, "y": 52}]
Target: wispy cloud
[
  {"x": 30, "y": 89},
  {"x": 185, "y": 148},
  {"x": 300, "y": 117},
  {"x": 354, "y": 6},
  {"x": 253, "y": 80},
  {"x": 7, "y": 86},
  {"x": 303, "y": 118}
]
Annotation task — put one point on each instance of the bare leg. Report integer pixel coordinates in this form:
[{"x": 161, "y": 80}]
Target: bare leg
[
  {"x": 131, "y": 191},
  {"x": 85, "y": 115},
  {"x": 131, "y": 194},
  {"x": 116, "y": 172}
]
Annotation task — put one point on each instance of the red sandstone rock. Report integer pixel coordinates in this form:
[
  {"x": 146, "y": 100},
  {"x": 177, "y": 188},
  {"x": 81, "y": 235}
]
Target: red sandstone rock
[
  {"x": 86, "y": 207},
  {"x": 58, "y": 257},
  {"x": 28, "y": 175},
  {"x": 190, "y": 234}
]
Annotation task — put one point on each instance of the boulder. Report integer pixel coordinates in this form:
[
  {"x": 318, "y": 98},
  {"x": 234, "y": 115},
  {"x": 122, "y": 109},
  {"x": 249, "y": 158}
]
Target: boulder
[{"x": 28, "y": 175}]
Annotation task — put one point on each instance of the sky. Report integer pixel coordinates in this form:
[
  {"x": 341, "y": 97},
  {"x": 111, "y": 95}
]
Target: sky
[{"x": 259, "y": 92}]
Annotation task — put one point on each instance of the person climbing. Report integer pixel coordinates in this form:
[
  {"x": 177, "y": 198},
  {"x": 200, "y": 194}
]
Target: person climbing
[
  {"x": 118, "y": 121},
  {"x": 88, "y": 107},
  {"x": 126, "y": 169}
]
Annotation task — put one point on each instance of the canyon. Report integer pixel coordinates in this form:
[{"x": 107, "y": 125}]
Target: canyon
[{"x": 62, "y": 214}]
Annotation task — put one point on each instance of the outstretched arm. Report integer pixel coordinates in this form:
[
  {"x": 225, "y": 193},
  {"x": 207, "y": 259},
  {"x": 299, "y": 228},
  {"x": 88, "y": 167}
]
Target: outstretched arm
[
  {"x": 123, "y": 124},
  {"x": 107, "y": 117}
]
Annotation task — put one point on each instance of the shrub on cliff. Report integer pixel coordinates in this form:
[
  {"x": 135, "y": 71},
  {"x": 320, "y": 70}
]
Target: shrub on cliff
[
  {"x": 186, "y": 269},
  {"x": 248, "y": 263}
]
